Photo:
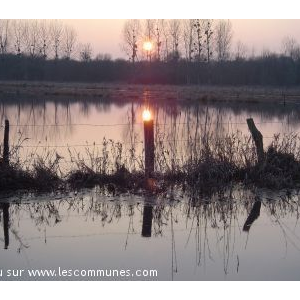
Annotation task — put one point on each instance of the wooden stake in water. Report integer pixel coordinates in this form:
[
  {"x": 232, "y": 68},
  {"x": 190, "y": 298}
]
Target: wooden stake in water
[
  {"x": 149, "y": 143},
  {"x": 6, "y": 143}
]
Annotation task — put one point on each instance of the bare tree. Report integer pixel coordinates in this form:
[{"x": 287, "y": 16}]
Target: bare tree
[
  {"x": 158, "y": 38},
  {"x": 56, "y": 33},
  {"x": 223, "y": 37},
  {"x": 241, "y": 51},
  {"x": 198, "y": 42},
  {"x": 149, "y": 34},
  {"x": 174, "y": 32},
  {"x": 189, "y": 38},
  {"x": 31, "y": 37},
  {"x": 4, "y": 36},
  {"x": 149, "y": 29},
  {"x": 69, "y": 41},
  {"x": 166, "y": 38},
  {"x": 85, "y": 52},
  {"x": 44, "y": 37},
  {"x": 18, "y": 35},
  {"x": 291, "y": 47},
  {"x": 208, "y": 33},
  {"x": 131, "y": 35}
]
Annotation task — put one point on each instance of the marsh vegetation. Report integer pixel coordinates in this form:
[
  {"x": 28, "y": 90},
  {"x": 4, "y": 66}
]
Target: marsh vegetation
[{"x": 201, "y": 145}]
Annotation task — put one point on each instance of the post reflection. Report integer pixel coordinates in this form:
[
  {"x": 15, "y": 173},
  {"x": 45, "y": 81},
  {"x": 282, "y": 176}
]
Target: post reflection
[
  {"x": 254, "y": 214},
  {"x": 147, "y": 220},
  {"x": 5, "y": 211}
]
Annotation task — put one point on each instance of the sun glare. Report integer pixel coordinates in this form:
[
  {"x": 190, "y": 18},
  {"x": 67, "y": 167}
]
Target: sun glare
[
  {"x": 147, "y": 46},
  {"x": 147, "y": 115}
]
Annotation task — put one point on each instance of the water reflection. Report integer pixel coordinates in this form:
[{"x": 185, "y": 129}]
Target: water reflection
[
  {"x": 5, "y": 214},
  {"x": 180, "y": 237},
  {"x": 56, "y": 120},
  {"x": 147, "y": 220},
  {"x": 254, "y": 214}
]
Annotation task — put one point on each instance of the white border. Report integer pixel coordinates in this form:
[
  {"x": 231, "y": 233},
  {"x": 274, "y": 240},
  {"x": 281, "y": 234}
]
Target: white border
[
  {"x": 112, "y": 9},
  {"x": 145, "y": 290},
  {"x": 123, "y": 9}
]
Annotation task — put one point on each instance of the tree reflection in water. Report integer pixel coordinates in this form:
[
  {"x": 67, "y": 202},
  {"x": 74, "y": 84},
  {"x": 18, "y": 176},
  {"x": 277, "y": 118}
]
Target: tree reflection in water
[{"x": 211, "y": 223}]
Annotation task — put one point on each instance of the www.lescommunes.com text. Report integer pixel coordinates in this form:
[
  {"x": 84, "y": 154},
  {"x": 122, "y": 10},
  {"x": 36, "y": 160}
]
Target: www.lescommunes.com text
[{"x": 61, "y": 272}]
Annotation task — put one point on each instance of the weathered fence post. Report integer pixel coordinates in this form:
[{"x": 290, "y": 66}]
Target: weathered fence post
[
  {"x": 258, "y": 140},
  {"x": 149, "y": 143},
  {"x": 6, "y": 143}
]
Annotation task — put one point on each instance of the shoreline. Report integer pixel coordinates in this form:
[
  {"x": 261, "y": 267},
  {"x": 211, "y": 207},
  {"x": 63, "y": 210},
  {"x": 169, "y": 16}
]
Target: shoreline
[{"x": 122, "y": 92}]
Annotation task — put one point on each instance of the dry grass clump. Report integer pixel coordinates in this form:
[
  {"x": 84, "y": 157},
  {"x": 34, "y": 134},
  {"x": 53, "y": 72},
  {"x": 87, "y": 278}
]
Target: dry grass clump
[
  {"x": 13, "y": 177},
  {"x": 47, "y": 175},
  {"x": 281, "y": 168},
  {"x": 109, "y": 165},
  {"x": 42, "y": 176}
]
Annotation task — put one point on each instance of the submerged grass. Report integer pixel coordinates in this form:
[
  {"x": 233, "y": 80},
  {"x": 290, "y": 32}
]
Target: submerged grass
[{"x": 209, "y": 162}]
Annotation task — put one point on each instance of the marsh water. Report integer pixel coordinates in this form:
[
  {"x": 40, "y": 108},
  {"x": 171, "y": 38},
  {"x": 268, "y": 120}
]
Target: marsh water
[
  {"x": 236, "y": 234},
  {"x": 239, "y": 235}
]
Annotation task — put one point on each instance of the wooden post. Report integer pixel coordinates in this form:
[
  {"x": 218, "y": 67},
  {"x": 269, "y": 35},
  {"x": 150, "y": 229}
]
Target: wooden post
[
  {"x": 149, "y": 147},
  {"x": 258, "y": 140},
  {"x": 6, "y": 143}
]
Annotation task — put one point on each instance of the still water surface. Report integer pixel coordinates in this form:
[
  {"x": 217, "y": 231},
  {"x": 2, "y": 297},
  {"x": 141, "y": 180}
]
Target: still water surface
[
  {"x": 237, "y": 235},
  {"x": 42, "y": 126},
  {"x": 203, "y": 240}
]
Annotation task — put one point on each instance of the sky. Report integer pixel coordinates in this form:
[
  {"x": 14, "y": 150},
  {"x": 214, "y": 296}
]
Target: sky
[{"x": 258, "y": 35}]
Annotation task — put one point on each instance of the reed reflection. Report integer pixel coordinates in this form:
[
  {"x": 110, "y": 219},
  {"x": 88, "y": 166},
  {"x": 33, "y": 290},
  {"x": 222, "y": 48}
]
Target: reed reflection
[
  {"x": 207, "y": 224},
  {"x": 175, "y": 121}
]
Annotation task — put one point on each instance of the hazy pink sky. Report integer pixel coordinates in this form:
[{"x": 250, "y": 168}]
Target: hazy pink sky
[{"x": 105, "y": 35}]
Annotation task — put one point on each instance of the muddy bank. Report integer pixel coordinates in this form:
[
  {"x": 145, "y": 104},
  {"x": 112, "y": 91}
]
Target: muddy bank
[{"x": 131, "y": 92}]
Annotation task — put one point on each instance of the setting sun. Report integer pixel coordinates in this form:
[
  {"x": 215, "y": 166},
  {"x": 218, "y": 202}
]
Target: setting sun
[
  {"x": 147, "y": 46},
  {"x": 146, "y": 115}
]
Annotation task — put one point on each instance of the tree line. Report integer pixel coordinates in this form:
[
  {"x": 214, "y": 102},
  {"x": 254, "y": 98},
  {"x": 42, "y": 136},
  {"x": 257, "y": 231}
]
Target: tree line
[
  {"x": 47, "y": 39},
  {"x": 180, "y": 52},
  {"x": 192, "y": 40},
  {"x": 268, "y": 70},
  {"x": 171, "y": 39}
]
